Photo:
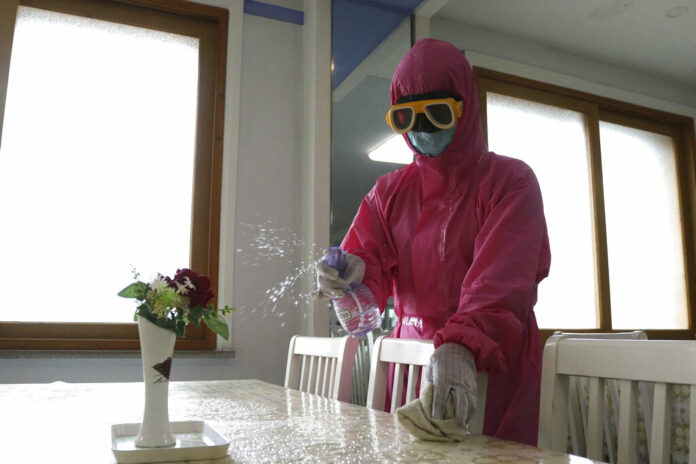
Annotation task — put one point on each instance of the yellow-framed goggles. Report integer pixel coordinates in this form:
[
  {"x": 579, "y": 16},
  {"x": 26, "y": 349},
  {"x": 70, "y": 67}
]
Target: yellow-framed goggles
[{"x": 441, "y": 112}]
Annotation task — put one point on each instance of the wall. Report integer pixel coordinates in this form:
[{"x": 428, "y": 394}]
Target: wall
[
  {"x": 268, "y": 197},
  {"x": 261, "y": 189}
]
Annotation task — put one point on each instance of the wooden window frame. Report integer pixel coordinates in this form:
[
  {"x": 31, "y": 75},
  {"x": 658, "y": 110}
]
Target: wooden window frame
[
  {"x": 597, "y": 108},
  {"x": 209, "y": 25}
]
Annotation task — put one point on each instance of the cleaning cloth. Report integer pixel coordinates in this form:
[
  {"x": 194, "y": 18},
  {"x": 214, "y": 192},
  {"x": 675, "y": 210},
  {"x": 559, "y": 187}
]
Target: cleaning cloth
[{"x": 416, "y": 417}]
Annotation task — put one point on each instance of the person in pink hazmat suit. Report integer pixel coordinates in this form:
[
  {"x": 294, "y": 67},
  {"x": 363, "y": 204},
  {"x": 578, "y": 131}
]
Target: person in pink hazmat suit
[{"x": 458, "y": 238}]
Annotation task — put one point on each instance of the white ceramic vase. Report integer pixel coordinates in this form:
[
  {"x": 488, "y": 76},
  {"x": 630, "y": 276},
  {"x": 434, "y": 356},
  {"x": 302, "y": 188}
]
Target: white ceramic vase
[{"x": 157, "y": 347}]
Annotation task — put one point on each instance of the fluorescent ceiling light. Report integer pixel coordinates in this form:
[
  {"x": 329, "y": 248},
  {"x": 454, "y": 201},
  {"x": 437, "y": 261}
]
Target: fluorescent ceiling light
[{"x": 392, "y": 150}]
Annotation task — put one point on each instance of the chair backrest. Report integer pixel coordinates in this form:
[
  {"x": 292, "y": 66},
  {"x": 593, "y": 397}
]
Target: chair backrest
[
  {"x": 577, "y": 401},
  {"x": 412, "y": 355},
  {"x": 660, "y": 362},
  {"x": 321, "y": 365}
]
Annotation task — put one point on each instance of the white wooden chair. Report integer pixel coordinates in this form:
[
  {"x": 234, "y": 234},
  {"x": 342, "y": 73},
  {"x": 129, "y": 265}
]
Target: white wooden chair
[
  {"x": 412, "y": 355},
  {"x": 577, "y": 403},
  {"x": 361, "y": 371},
  {"x": 660, "y": 362},
  {"x": 321, "y": 365}
]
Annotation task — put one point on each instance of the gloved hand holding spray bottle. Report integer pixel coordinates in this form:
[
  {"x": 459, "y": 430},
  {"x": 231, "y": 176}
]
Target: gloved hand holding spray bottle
[{"x": 339, "y": 277}]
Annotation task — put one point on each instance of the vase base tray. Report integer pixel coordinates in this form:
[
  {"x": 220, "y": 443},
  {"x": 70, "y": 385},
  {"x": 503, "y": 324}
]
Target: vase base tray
[{"x": 194, "y": 440}]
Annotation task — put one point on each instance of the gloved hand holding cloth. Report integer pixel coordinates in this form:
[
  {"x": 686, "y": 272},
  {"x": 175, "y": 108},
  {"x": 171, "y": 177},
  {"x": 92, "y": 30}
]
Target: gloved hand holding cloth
[
  {"x": 332, "y": 283},
  {"x": 448, "y": 399}
]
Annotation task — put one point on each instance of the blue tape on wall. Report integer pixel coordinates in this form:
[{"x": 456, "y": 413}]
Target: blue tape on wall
[
  {"x": 400, "y": 7},
  {"x": 276, "y": 12}
]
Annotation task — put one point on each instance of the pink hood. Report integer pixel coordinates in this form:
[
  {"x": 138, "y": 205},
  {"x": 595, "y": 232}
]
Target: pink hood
[{"x": 435, "y": 65}]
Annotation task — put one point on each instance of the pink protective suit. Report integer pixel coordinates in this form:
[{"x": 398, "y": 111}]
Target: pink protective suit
[{"x": 460, "y": 241}]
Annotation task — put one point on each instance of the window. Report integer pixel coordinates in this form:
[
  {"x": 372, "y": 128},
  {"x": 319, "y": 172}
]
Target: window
[
  {"x": 618, "y": 188},
  {"x": 110, "y": 158}
]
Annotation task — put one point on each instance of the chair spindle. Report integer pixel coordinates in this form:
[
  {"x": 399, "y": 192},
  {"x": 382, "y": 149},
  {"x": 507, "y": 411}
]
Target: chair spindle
[
  {"x": 595, "y": 419},
  {"x": 627, "y": 447},
  {"x": 661, "y": 437}
]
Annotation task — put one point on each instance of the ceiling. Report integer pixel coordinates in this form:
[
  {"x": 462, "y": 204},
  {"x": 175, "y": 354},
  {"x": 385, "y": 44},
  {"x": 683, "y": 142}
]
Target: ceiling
[{"x": 638, "y": 34}]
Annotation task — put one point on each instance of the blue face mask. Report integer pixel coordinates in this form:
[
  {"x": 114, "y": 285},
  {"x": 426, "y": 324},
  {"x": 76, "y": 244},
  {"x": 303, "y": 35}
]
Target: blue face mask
[{"x": 431, "y": 143}]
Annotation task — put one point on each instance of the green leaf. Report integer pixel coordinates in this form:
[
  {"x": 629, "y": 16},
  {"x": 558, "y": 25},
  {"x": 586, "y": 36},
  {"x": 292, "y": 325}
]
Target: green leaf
[
  {"x": 135, "y": 290},
  {"x": 145, "y": 311},
  {"x": 180, "y": 328},
  {"x": 195, "y": 314},
  {"x": 163, "y": 322},
  {"x": 226, "y": 310},
  {"x": 216, "y": 324}
]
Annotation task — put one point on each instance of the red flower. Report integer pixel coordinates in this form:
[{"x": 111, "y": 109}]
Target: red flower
[{"x": 192, "y": 285}]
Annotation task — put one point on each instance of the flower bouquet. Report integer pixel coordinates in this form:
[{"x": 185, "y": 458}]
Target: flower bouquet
[
  {"x": 174, "y": 303},
  {"x": 165, "y": 307}
]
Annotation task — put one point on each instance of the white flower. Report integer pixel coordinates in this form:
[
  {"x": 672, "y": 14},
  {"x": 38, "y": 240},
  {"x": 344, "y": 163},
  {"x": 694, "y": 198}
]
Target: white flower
[
  {"x": 158, "y": 284},
  {"x": 181, "y": 288}
]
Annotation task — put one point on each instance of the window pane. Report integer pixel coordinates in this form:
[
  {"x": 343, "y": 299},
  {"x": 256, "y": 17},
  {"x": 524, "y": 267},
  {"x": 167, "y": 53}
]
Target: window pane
[
  {"x": 646, "y": 262},
  {"x": 96, "y": 166},
  {"x": 552, "y": 141}
]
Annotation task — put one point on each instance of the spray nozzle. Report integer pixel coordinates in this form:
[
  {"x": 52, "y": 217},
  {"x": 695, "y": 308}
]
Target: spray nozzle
[{"x": 336, "y": 259}]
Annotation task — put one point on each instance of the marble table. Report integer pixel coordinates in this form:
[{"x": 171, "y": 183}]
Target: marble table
[{"x": 60, "y": 422}]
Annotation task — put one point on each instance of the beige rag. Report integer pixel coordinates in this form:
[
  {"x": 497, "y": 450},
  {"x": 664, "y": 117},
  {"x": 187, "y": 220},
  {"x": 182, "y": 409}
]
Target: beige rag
[{"x": 416, "y": 417}]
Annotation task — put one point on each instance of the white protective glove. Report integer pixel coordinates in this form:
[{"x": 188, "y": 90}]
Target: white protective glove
[
  {"x": 452, "y": 371},
  {"x": 330, "y": 284}
]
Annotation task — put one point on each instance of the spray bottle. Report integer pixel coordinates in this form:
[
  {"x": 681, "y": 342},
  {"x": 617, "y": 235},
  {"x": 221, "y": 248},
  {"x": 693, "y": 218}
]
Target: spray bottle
[{"x": 357, "y": 310}]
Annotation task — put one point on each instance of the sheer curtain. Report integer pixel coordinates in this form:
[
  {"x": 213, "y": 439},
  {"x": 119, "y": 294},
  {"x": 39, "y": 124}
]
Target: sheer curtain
[
  {"x": 552, "y": 142},
  {"x": 96, "y": 167}
]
